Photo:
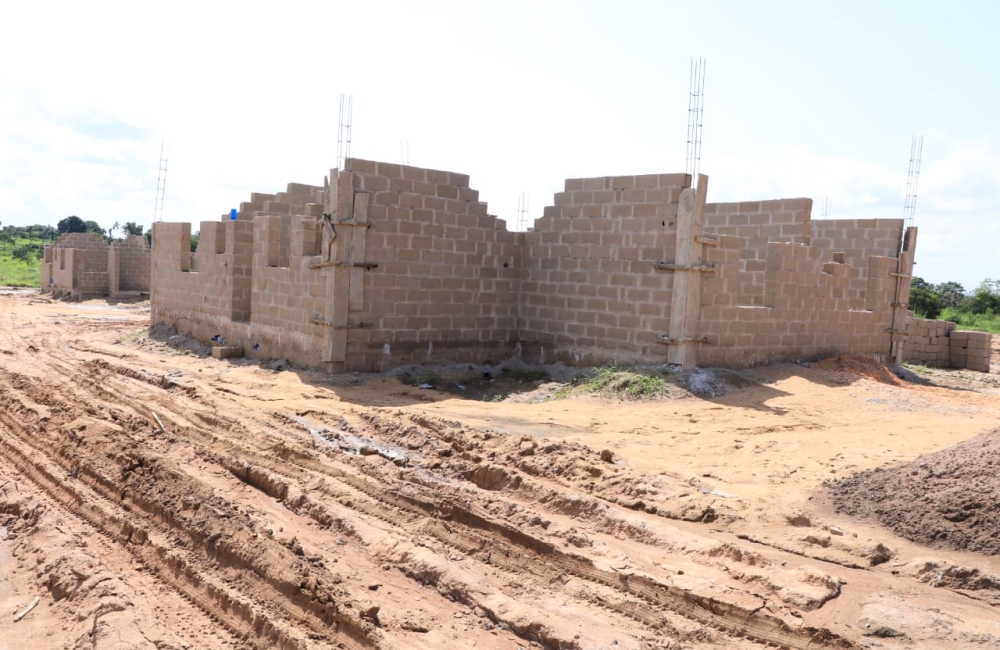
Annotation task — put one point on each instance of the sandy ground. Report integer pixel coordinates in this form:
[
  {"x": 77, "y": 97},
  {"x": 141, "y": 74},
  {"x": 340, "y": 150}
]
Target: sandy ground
[{"x": 298, "y": 510}]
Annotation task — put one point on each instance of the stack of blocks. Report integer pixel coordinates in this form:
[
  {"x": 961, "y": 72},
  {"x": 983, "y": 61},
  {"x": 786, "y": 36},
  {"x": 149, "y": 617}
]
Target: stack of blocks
[
  {"x": 971, "y": 350},
  {"x": 928, "y": 342}
]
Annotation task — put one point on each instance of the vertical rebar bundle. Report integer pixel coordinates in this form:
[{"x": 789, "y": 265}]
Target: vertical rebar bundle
[
  {"x": 344, "y": 130},
  {"x": 161, "y": 184},
  {"x": 696, "y": 102},
  {"x": 912, "y": 179}
]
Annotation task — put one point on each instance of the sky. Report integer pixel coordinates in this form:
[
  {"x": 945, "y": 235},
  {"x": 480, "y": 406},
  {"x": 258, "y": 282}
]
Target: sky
[{"x": 801, "y": 99}]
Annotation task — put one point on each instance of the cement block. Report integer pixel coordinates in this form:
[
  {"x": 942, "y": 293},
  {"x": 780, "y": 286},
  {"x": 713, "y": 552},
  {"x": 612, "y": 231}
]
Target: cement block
[{"x": 227, "y": 351}]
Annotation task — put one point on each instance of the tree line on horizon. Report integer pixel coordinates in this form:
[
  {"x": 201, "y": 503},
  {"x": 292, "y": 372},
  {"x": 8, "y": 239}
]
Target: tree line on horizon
[{"x": 950, "y": 301}]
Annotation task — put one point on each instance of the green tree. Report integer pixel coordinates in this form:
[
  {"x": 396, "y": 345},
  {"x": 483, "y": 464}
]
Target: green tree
[
  {"x": 952, "y": 294},
  {"x": 132, "y": 228},
  {"x": 195, "y": 238},
  {"x": 983, "y": 301},
  {"x": 920, "y": 283},
  {"x": 94, "y": 227},
  {"x": 71, "y": 224},
  {"x": 27, "y": 252},
  {"x": 925, "y": 303}
]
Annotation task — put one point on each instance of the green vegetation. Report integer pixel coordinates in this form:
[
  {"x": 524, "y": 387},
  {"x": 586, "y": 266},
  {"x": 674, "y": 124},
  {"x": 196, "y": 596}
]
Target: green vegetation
[
  {"x": 22, "y": 247},
  {"x": 15, "y": 273},
  {"x": 20, "y": 254},
  {"x": 948, "y": 301},
  {"x": 612, "y": 381},
  {"x": 76, "y": 224},
  {"x": 988, "y": 322}
]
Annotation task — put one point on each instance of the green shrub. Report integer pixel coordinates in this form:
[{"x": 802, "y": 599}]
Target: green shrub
[{"x": 925, "y": 303}]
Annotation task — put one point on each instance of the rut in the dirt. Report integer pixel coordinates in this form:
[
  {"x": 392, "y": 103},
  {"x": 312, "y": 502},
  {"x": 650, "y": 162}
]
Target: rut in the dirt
[{"x": 432, "y": 484}]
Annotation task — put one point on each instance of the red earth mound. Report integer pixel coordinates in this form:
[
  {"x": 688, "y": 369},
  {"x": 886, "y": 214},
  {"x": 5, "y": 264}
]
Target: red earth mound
[{"x": 860, "y": 365}]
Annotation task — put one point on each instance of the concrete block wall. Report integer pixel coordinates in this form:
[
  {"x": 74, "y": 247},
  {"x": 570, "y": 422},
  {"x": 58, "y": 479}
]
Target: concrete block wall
[
  {"x": 216, "y": 297},
  {"x": 757, "y": 223},
  {"x": 928, "y": 342},
  {"x": 439, "y": 285},
  {"x": 590, "y": 293},
  {"x": 419, "y": 271},
  {"x": 857, "y": 239},
  {"x": 445, "y": 284},
  {"x": 288, "y": 298},
  {"x": 76, "y": 263},
  {"x": 290, "y": 202},
  {"x": 805, "y": 313},
  {"x": 129, "y": 263}
]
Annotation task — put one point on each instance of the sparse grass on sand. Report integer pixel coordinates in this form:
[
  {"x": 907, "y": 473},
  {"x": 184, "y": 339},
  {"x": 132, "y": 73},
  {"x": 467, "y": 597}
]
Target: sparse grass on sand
[{"x": 612, "y": 381}]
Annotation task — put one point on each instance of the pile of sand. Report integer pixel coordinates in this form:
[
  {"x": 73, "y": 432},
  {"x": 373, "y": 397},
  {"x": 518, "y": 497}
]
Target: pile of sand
[
  {"x": 950, "y": 498},
  {"x": 862, "y": 366}
]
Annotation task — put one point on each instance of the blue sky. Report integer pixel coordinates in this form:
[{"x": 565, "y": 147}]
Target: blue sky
[{"x": 801, "y": 99}]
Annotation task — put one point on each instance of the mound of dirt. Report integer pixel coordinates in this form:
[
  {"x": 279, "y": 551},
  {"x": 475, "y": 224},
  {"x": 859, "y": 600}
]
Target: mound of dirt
[
  {"x": 950, "y": 498},
  {"x": 861, "y": 366}
]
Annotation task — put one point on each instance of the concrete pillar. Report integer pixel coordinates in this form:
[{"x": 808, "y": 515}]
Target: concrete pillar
[{"x": 685, "y": 299}]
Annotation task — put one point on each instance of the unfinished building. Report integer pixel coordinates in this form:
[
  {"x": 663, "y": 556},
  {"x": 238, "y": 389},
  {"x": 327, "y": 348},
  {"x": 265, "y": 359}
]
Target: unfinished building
[
  {"x": 409, "y": 267},
  {"x": 84, "y": 264}
]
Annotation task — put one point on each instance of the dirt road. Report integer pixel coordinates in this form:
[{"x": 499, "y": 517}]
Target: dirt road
[{"x": 154, "y": 499}]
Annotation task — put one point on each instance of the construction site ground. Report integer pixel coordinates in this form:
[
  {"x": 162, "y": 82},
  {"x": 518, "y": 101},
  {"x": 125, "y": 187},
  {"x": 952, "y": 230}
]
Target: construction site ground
[{"x": 153, "y": 497}]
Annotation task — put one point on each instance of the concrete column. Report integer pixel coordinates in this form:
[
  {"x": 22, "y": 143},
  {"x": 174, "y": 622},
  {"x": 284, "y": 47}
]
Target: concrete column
[
  {"x": 685, "y": 298},
  {"x": 901, "y": 296}
]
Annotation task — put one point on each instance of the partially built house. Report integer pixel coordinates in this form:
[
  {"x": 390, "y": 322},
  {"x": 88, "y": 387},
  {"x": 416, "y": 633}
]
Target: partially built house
[
  {"x": 387, "y": 264},
  {"x": 84, "y": 264}
]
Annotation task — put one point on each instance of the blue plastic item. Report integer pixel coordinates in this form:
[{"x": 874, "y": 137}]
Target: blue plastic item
[{"x": 232, "y": 214}]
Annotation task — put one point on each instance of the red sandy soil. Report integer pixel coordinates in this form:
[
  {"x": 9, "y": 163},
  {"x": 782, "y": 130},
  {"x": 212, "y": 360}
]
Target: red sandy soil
[{"x": 301, "y": 510}]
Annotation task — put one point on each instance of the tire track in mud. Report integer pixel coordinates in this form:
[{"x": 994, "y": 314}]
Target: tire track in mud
[
  {"x": 367, "y": 499},
  {"x": 463, "y": 527},
  {"x": 192, "y": 578},
  {"x": 477, "y": 535},
  {"x": 472, "y": 533},
  {"x": 72, "y": 504}
]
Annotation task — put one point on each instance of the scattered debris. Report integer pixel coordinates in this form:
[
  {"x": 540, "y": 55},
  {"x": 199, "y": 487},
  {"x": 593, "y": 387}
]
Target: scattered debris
[{"x": 27, "y": 609}]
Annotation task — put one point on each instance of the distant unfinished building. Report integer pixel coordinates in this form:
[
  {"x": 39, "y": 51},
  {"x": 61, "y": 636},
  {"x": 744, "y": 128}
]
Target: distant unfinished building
[
  {"x": 634, "y": 269},
  {"x": 84, "y": 264}
]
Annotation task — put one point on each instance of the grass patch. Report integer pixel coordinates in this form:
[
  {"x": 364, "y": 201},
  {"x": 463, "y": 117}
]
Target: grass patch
[
  {"x": 134, "y": 337},
  {"x": 612, "y": 381},
  {"x": 920, "y": 368},
  {"x": 23, "y": 272},
  {"x": 968, "y": 321},
  {"x": 15, "y": 273}
]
